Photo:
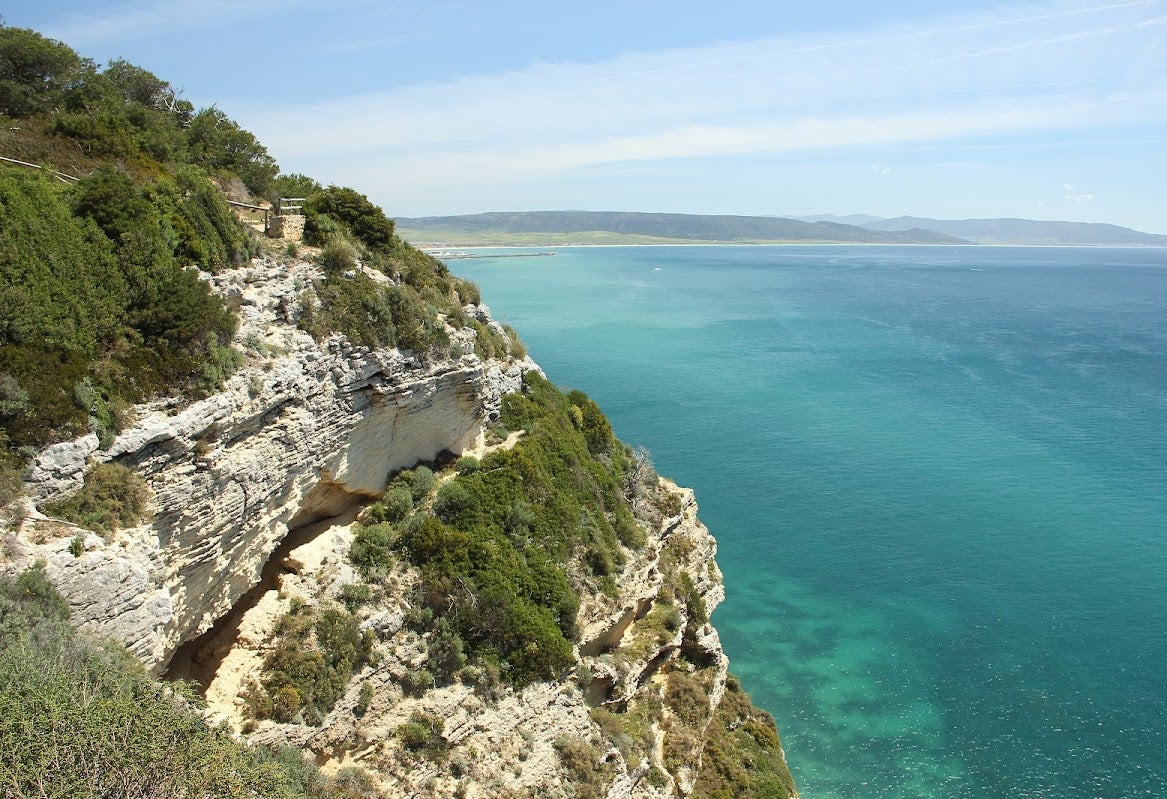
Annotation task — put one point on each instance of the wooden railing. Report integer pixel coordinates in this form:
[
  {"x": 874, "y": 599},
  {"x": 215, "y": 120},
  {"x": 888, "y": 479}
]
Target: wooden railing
[
  {"x": 253, "y": 208},
  {"x": 288, "y": 205},
  {"x": 61, "y": 176}
]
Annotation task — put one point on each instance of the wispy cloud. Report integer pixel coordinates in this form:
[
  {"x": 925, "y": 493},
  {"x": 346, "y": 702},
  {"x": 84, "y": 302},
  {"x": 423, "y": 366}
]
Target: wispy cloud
[
  {"x": 760, "y": 96},
  {"x": 154, "y": 18}
]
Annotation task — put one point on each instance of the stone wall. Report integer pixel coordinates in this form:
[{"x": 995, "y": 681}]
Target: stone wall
[{"x": 289, "y": 227}]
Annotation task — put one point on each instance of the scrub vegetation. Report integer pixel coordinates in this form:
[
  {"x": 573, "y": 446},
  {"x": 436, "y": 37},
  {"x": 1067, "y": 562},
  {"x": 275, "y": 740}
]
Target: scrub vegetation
[
  {"x": 101, "y": 301},
  {"x": 507, "y": 545},
  {"x": 313, "y": 655},
  {"x": 82, "y": 719},
  {"x": 105, "y": 253}
]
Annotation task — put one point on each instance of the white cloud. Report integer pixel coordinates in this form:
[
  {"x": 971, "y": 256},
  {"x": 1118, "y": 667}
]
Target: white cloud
[
  {"x": 1080, "y": 198},
  {"x": 136, "y": 19},
  {"x": 973, "y": 79},
  {"x": 880, "y": 169}
]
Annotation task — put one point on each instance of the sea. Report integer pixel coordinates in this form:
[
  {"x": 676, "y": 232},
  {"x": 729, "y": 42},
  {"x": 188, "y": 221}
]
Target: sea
[{"x": 938, "y": 480}]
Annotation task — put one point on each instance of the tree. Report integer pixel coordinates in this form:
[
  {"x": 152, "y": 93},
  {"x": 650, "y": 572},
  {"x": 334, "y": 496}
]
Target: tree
[
  {"x": 140, "y": 86},
  {"x": 35, "y": 71},
  {"x": 218, "y": 143},
  {"x": 355, "y": 211}
]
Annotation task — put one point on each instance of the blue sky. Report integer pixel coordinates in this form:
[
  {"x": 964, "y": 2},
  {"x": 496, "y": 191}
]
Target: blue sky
[{"x": 1047, "y": 110}]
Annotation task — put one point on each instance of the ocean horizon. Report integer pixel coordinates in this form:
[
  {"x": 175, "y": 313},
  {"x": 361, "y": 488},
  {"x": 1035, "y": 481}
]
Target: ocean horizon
[{"x": 936, "y": 479}]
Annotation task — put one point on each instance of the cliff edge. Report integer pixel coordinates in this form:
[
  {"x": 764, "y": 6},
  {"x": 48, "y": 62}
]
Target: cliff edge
[{"x": 257, "y": 494}]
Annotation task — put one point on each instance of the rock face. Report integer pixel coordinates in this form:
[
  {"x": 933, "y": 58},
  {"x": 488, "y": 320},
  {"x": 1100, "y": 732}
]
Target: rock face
[
  {"x": 254, "y": 492},
  {"x": 303, "y": 431}
]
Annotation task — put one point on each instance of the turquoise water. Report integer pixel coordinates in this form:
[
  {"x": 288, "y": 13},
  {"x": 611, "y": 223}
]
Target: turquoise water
[{"x": 939, "y": 482}]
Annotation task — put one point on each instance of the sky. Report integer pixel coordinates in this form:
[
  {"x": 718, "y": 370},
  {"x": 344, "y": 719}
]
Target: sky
[{"x": 1045, "y": 110}]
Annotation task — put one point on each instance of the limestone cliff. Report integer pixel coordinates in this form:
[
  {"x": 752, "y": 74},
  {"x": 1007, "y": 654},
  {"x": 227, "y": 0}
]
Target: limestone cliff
[{"x": 254, "y": 491}]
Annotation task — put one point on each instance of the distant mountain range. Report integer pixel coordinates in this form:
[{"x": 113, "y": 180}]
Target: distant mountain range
[
  {"x": 600, "y": 227},
  {"x": 1027, "y": 231},
  {"x": 614, "y": 227}
]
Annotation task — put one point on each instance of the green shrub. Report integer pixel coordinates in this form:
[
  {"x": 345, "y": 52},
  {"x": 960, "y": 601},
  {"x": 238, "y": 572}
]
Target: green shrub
[
  {"x": 467, "y": 291},
  {"x": 421, "y": 480},
  {"x": 417, "y": 682},
  {"x": 372, "y": 550},
  {"x": 356, "y": 306},
  {"x": 467, "y": 464},
  {"x": 11, "y": 477},
  {"x": 687, "y": 697},
  {"x": 221, "y": 362},
  {"x": 37, "y": 71},
  {"x": 313, "y": 656},
  {"x": 394, "y": 506},
  {"x": 588, "y": 772},
  {"x": 592, "y": 423},
  {"x": 59, "y": 284},
  {"x": 294, "y": 185},
  {"x": 339, "y": 253},
  {"x": 453, "y": 502},
  {"x": 353, "y": 595},
  {"x": 91, "y": 281},
  {"x": 422, "y": 735},
  {"x": 364, "y": 699},
  {"x": 217, "y": 143},
  {"x": 365, "y": 221},
  {"x": 81, "y": 719},
  {"x": 445, "y": 652},
  {"x": 517, "y": 347},
  {"x": 417, "y": 326},
  {"x": 487, "y": 343},
  {"x": 742, "y": 755},
  {"x": 507, "y": 540},
  {"x": 113, "y": 496}
]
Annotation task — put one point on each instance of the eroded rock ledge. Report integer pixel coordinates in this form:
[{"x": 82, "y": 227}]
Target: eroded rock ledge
[
  {"x": 254, "y": 491},
  {"x": 294, "y": 437}
]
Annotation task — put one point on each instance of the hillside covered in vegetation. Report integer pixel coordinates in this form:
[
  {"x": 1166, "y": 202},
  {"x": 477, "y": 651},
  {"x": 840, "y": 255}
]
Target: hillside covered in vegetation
[
  {"x": 101, "y": 249},
  {"x": 180, "y": 398}
]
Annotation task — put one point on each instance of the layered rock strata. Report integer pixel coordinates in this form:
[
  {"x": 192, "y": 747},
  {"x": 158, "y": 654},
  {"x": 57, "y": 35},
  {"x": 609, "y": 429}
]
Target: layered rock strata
[
  {"x": 255, "y": 490},
  {"x": 299, "y": 434}
]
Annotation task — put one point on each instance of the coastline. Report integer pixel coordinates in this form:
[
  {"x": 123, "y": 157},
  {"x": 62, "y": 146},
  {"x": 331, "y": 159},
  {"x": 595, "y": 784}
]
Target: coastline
[{"x": 431, "y": 248}]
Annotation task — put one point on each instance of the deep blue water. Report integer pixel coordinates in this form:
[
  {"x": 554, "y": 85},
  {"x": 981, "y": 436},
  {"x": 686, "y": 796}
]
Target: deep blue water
[{"x": 939, "y": 482}]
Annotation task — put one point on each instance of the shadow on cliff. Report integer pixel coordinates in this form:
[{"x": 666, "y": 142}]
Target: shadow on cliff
[{"x": 199, "y": 659}]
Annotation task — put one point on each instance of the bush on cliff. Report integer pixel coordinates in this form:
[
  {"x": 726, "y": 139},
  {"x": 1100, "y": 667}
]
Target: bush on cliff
[
  {"x": 82, "y": 719},
  {"x": 112, "y": 497},
  {"x": 371, "y": 314},
  {"x": 93, "y": 291},
  {"x": 313, "y": 656},
  {"x": 511, "y": 541}
]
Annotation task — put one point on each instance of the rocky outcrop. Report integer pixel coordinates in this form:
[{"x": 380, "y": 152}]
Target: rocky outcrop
[
  {"x": 300, "y": 433},
  {"x": 502, "y": 742},
  {"x": 255, "y": 490}
]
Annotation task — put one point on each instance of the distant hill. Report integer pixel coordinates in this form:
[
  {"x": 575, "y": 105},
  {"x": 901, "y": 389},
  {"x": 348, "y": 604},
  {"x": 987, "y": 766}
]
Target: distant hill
[
  {"x": 843, "y": 219},
  {"x": 589, "y": 227},
  {"x": 1026, "y": 231}
]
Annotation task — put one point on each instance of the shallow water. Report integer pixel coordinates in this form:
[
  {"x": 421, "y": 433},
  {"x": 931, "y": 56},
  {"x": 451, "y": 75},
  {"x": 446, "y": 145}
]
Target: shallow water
[{"x": 937, "y": 479}]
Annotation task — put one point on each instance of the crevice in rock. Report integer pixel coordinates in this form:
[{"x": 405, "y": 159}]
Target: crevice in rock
[
  {"x": 654, "y": 665},
  {"x": 698, "y": 655},
  {"x": 199, "y": 659},
  {"x": 599, "y": 691},
  {"x": 609, "y": 640}
]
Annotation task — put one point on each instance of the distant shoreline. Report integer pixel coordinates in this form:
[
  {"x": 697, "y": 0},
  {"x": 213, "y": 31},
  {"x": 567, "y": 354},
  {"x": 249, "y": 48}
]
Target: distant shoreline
[
  {"x": 626, "y": 228},
  {"x": 434, "y": 249}
]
